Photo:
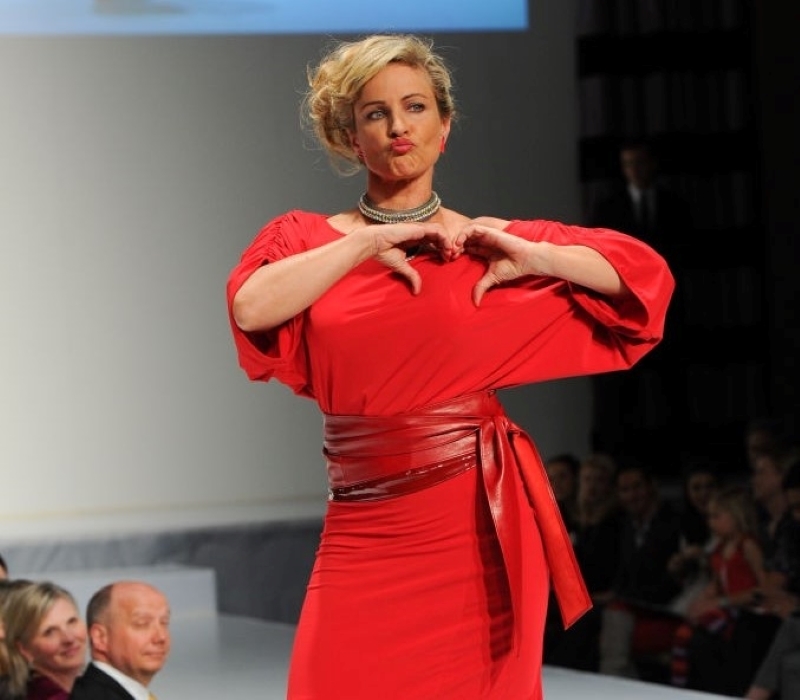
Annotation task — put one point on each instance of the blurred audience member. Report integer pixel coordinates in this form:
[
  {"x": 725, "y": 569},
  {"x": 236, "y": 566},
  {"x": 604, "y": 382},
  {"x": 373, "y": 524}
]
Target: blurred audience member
[
  {"x": 737, "y": 569},
  {"x": 779, "y": 671},
  {"x": 776, "y": 531},
  {"x": 782, "y": 596},
  {"x": 762, "y": 435},
  {"x": 46, "y": 639},
  {"x": 130, "y": 642},
  {"x": 637, "y": 621},
  {"x": 596, "y": 539},
  {"x": 562, "y": 470},
  {"x": 689, "y": 565},
  {"x": 599, "y": 524},
  {"x": 700, "y": 480},
  {"x": 728, "y": 666}
]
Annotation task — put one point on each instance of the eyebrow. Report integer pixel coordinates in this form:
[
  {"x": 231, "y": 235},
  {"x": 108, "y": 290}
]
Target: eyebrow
[{"x": 405, "y": 97}]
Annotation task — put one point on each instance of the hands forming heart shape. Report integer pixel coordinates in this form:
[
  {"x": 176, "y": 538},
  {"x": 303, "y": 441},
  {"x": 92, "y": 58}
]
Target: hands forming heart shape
[{"x": 507, "y": 256}]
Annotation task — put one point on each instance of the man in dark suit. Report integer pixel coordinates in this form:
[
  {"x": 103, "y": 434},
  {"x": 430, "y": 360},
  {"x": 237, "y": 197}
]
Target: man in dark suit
[
  {"x": 643, "y": 587},
  {"x": 128, "y": 625},
  {"x": 635, "y": 412},
  {"x": 644, "y": 206}
]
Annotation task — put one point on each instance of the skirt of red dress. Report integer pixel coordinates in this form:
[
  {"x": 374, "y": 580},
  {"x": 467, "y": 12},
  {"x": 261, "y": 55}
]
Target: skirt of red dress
[{"x": 409, "y": 600}]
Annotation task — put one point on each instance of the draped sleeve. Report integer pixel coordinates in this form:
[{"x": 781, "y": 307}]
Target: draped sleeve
[
  {"x": 279, "y": 353},
  {"x": 624, "y": 328}
]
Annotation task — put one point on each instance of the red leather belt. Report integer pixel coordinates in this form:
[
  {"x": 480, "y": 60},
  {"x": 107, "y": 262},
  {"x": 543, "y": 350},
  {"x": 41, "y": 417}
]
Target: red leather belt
[{"x": 375, "y": 457}]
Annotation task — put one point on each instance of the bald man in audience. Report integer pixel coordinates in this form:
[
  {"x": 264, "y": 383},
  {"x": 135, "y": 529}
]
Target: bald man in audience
[{"x": 128, "y": 625}]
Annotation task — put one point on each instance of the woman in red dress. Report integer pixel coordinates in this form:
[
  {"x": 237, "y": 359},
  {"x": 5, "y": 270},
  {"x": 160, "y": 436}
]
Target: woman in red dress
[{"x": 401, "y": 319}]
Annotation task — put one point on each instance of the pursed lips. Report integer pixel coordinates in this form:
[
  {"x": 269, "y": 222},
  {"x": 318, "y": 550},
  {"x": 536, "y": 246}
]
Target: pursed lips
[{"x": 402, "y": 145}]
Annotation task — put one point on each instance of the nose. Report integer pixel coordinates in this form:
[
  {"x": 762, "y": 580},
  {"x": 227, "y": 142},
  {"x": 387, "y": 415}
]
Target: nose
[
  {"x": 397, "y": 126},
  {"x": 160, "y": 634}
]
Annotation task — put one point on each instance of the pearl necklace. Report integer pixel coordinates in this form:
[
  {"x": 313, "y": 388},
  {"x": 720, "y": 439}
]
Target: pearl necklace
[{"x": 399, "y": 216}]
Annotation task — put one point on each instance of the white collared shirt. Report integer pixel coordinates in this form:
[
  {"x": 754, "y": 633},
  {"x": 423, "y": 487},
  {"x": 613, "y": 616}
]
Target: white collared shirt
[
  {"x": 637, "y": 195},
  {"x": 136, "y": 689}
]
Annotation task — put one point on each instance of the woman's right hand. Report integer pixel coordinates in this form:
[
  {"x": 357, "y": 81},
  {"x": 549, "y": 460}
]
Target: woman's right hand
[{"x": 390, "y": 244}]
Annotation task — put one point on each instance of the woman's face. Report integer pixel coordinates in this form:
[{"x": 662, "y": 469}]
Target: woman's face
[
  {"x": 562, "y": 480},
  {"x": 721, "y": 522},
  {"x": 636, "y": 493},
  {"x": 757, "y": 443},
  {"x": 58, "y": 646},
  {"x": 594, "y": 484},
  {"x": 766, "y": 479},
  {"x": 398, "y": 129},
  {"x": 698, "y": 490}
]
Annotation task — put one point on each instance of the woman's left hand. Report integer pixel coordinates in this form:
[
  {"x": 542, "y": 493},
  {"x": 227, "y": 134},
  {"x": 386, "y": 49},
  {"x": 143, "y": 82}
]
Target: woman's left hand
[{"x": 508, "y": 256}]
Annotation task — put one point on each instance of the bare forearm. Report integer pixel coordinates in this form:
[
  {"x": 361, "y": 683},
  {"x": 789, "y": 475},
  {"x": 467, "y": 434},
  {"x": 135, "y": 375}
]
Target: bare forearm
[
  {"x": 280, "y": 290},
  {"x": 579, "y": 265}
]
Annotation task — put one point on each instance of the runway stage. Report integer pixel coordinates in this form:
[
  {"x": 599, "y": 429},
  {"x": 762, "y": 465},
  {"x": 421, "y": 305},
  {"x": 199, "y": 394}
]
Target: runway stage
[
  {"x": 235, "y": 658},
  {"x": 235, "y": 575}
]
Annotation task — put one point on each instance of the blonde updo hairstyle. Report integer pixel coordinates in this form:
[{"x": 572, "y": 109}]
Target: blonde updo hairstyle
[{"x": 335, "y": 85}]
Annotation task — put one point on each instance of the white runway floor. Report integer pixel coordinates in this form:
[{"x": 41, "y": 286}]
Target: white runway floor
[{"x": 239, "y": 658}]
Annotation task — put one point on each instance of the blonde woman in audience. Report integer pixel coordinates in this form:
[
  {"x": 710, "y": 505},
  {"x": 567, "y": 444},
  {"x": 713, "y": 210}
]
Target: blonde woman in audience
[
  {"x": 737, "y": 574},
  {"x": 13, "y": 670},
  {"x": 46, "y": 636}
]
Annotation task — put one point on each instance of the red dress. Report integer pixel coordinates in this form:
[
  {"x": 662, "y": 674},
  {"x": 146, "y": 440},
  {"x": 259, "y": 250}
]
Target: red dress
[
  {"x": 410, "y": 597},
  {"x": 733, "y": 573}
]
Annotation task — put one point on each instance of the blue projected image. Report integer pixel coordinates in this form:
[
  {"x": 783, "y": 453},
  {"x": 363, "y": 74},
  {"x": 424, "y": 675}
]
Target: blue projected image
[{"x": 257, "y": 16}]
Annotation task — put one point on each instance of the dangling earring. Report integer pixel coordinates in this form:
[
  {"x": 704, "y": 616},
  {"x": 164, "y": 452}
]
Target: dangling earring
[
  {"x": 360, "y": 155},
  {"x": 442, "y": 146}
]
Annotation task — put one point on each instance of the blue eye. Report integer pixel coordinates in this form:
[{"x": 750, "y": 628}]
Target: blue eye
[{"x": 376, "y": 114}]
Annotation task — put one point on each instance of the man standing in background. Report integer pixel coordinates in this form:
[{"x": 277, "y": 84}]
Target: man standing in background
[{"x": 634, "y": 411}]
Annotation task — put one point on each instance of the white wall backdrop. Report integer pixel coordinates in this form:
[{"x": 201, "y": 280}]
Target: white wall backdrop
[{"x": 133, "y": 171}]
